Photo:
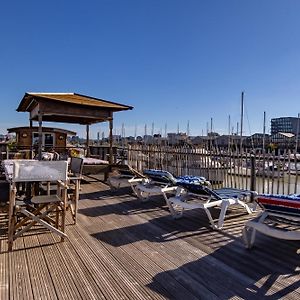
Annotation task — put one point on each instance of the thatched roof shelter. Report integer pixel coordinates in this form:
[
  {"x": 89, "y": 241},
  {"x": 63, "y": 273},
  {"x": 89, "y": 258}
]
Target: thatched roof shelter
[{"x": 69, "y": 108}]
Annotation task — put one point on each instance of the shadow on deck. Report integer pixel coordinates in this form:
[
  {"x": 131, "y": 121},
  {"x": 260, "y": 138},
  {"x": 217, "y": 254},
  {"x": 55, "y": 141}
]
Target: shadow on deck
[{"x": 122, "y": 248}]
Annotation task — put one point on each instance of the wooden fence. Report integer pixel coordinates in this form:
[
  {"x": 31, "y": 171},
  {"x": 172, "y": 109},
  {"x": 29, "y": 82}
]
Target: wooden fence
[{"x": 265, "y": 172}]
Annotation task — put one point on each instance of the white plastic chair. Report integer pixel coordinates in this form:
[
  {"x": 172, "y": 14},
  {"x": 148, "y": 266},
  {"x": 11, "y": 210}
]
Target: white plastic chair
[{"x": 280, "y": 219}]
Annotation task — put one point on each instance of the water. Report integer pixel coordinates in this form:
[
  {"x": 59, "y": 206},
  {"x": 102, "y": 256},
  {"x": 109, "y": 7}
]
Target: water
[{"x": 287, "y": 184}]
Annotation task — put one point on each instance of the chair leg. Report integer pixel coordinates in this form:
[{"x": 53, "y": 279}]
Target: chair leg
[
  {"x": 11, "y": 218},
  {"x": 248, "y": 235},
  {"x": 38, "y": 219},
  {"x": 211, "y": 220},
  {"x": 72, "y": 205},
  {"x": 57, "y": 212},
  {"x": 224, "y": 206},
  {"x": 63, "y": 213},
  {"x": 77, "y": 188}
]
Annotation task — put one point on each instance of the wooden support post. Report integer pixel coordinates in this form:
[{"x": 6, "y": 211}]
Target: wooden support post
[
  {"x": 40, "y": 144},
  {"x": 31, "y": 146},
  {"x": 87, "y": 140},
  {"x": 111, "y": 141}
]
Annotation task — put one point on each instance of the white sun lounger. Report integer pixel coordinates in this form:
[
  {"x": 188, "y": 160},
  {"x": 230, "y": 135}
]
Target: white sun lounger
[
  {"x": 126, "y": 176},
  {"x": 161, "y": 182},
  {"x": 280, "y": 218},
  {"x": 202, "y": 197}
]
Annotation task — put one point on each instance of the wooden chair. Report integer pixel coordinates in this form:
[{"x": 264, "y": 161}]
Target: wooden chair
[
  {"x": 74, "y": 178},
  {"x": 45, "y": 210}
]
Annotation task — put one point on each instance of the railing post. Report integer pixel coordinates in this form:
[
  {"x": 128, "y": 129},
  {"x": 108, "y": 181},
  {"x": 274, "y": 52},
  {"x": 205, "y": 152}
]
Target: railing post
[{"x": 253, "y": 176}]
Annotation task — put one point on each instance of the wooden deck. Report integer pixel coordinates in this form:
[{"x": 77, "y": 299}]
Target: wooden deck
[{"x": 124, "y": 249}]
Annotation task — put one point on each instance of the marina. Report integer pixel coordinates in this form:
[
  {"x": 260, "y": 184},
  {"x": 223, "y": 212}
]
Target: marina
[
  {"x": 67, "y": 233},
  {"x": 150, "y": 150}
]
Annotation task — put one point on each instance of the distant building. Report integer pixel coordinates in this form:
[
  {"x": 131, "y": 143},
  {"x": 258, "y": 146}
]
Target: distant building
[
  {"x": 199, "y": 140},
  {"x": 283, "y": 139},
  {"x": 177, "y": 138},
  {"x": 148, "y": 139},
  {"x": 213, "y": 134},
  {"x": 117, "y": 138},
  {"x": 256, "y": 140},
  {"x": 130, "y": 139},
  {"x": 223, "y": 140},
  {"x": 284, "y": 124}
]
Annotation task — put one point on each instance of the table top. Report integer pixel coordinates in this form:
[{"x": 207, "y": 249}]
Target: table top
[{"x": 26, "y": 170}]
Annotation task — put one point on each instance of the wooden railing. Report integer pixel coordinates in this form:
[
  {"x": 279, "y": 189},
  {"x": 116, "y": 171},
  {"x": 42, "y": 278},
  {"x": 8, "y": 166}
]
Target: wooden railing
[{"x": 264, "y": 171}]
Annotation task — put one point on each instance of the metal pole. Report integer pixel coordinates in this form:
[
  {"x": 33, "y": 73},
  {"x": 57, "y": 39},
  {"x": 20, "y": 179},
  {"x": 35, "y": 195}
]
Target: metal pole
[
  {"x": 242, "y": 119},
  {"x": 264, "y": 131},
  {"x": 211, "y": 129},
  {"x": 297, "y": 135},
  {"x": 253, "y": 176},
  {"x": 229, "y": 134}
]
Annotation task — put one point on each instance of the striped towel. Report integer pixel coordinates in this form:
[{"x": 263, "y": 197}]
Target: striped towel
[{"x": 288, "y": 204}]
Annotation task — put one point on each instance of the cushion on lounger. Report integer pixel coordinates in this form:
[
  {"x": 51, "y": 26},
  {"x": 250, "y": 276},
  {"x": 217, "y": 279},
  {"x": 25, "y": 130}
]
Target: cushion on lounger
[
  {"x": 166, "y": 177},
  {"x": 192, "y": 179},
  {"x": 288, "y": 204},
  {"x": 196, "y": 188},
  {"x": 160, "y": 176}
]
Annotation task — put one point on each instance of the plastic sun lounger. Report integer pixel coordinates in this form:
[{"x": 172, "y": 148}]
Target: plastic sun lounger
[
  {"x": 160, "y": 182},
  {"x": 280, "y": 218},
  {"x": 191, "y": 196},
  {"x": 126, "y": 177}
]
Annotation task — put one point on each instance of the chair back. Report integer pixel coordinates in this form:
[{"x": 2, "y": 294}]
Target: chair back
[
  {"x": 160, "y": 176},
  {"x": 34, "y": 170},
  {"x": 198, "y": 188},
  {"x": 76, "y": 165}
]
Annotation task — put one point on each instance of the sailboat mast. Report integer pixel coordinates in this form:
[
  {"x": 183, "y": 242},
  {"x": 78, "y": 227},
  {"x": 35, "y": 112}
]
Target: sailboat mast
[
  {"x": 229, "y": 132},
  {"x": 242, "y": 119},
  {"x": 264, "y": 131},
  {"x": 211, "y": 130},
  {"x": 297, "y": 135}
]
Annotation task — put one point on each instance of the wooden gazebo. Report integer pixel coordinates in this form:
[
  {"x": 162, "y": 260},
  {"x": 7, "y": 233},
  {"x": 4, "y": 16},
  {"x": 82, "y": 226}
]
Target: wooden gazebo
[{"x": 69, "y": 108}]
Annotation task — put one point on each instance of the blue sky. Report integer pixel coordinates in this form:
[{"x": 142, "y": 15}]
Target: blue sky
[{"x": 173, "y": 60}]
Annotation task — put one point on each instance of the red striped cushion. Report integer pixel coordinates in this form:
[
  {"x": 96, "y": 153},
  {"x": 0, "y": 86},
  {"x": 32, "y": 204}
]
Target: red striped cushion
[{"x": 289, "y": 204}]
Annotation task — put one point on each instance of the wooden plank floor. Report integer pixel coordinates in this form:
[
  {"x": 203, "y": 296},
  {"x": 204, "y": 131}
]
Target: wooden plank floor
[{"x": 124, "y": 249}]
